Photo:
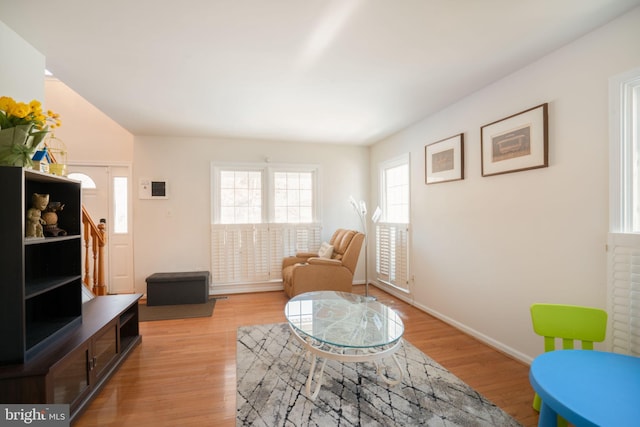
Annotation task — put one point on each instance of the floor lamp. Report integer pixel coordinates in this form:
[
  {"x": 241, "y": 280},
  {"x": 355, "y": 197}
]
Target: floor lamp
[{"x": 361, "y": 210}]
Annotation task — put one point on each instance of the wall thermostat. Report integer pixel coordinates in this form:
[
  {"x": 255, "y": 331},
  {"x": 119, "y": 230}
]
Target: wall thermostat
[{"x": 153, "y": 189}]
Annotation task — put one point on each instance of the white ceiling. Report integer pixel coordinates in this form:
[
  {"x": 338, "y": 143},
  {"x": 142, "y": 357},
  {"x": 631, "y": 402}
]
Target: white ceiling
[{"x": 338, "y": 71}]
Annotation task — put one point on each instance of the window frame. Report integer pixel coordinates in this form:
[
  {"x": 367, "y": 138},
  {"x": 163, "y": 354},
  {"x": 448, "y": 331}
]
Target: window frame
[
  {"x": 272, "y": 208},
  {"x": 121, "y": 205},
  {"x": 394, "y": 271},
  {"x": 622, "y": 153},
  {"x": 623, "y": 243},
  {"x": 401, "y": 160},
  {"x": 268, "y": 187}
]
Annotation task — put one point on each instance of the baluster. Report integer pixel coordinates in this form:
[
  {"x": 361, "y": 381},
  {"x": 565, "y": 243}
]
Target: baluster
[
  {"x": 86, "y": 237},
  {"x": 101, "y": 238},
  {"x": 97, "y": 236}
]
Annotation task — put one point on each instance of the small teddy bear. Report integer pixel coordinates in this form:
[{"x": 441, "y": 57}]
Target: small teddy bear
[{"x": 35, "y": 222}]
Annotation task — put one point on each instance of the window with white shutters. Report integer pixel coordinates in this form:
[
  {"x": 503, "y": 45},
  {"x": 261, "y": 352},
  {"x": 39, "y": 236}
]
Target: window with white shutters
[
  {"x": 623, "y": 302},
  {"x": 392, "y": 233},
  {"x": 261, "y": 214}
]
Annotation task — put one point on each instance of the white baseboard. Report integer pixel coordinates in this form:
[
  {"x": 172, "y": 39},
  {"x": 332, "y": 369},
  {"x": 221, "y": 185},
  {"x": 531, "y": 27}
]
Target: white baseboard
[
  {"x": 460, "y": 326},
  {"x": 243, "y": 288}
]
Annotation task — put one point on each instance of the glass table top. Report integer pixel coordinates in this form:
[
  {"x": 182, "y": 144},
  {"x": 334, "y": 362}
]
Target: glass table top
[{"x": 343, "y": 319}]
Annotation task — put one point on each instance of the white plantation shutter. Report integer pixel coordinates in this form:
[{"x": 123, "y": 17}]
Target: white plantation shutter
[
  {"x": 288, "y": 239},
  {"x": 401, "y": 268},
  {"x": 239, "y": 253},
  {"x": 383, "y": 248},
  {"x": 258, "y": 267},
  {"x": 624, "y": 293},
  {"x": 252, "y": 253},
  {"x": 303, "y": 238},
  {"x": 218, "y": 254},
  {"x": 276, "y": 251},
  {"x": 392, "y": 254}
]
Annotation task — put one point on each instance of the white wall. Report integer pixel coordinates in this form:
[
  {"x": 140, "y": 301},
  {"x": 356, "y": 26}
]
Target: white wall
[
  {"x": 485, "y": 248},
  {"x": 22, "y": 70},
  {"x": 174, "y": 234},
  {"x": 89, "y": 134}
]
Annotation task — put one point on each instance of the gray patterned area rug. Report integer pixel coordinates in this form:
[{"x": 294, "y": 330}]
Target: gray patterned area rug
[{"x": 271, "y": 376}]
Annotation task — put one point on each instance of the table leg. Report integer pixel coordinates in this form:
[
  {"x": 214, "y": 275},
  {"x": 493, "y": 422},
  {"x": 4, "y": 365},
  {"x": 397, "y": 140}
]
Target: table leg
[
  {"x": 317, "y": 349},
  {"x": 318, "y": 379},
  {"x": 548, "y": 417},
  {"x": 385, "y": 378}
]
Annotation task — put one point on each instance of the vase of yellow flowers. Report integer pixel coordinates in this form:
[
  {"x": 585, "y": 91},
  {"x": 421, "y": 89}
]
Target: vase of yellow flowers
[{"x": 22, "y": 128}]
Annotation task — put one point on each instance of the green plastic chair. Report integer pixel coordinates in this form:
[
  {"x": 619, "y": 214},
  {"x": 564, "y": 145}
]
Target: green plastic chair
[{"x": 570, "y": 323}]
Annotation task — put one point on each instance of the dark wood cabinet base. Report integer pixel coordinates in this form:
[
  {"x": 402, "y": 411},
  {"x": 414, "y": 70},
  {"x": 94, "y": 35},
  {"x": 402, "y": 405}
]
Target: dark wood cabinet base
[{"x": 74, "y": 369}]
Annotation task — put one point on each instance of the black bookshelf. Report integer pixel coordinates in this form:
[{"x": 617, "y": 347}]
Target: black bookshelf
[{"x": 40, "y": 296}]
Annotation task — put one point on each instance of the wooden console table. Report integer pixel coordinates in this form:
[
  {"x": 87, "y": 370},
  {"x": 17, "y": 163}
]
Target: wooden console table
[{"x": 74, "y": 369}]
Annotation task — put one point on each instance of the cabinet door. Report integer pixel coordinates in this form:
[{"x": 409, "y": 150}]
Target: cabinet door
[
  {"x": 70, "y": 378},
  {"x": 104, "y": 350}
]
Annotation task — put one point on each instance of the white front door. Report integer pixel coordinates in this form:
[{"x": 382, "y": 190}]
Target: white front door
[{"x": 111, "y": 200}]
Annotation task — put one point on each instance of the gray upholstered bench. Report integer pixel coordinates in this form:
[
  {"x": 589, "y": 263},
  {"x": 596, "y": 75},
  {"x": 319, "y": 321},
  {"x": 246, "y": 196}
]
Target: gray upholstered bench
[{"x": 190, "y": 287}]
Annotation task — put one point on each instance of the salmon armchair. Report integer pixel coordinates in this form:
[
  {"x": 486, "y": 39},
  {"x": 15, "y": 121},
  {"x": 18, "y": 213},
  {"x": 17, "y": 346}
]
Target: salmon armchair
[{"x": 307, "y": 272}]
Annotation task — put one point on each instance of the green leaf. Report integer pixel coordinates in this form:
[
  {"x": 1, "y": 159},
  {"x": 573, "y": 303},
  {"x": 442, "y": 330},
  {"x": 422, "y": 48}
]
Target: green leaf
[{"x": 4, "y": 121}]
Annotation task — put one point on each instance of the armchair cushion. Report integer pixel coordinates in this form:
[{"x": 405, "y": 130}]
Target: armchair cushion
[{"x": 326, "y": 250}]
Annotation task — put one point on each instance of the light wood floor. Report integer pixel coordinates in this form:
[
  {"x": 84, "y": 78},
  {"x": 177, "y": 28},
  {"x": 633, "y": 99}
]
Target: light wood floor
[{"x": 184, "y": 371}]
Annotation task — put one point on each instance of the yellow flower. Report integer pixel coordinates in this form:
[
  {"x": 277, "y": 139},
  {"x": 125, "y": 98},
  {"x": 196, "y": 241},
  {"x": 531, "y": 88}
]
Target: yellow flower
[
  {"x": 6, "y": 103},
  {"x": 14, "y": 113},
  {"x": 20, "y": 110},
  {"x": 32, "y": 124}
]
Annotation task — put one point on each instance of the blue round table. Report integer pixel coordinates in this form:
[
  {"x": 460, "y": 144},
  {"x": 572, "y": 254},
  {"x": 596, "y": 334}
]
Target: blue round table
[{"x": 587, "y": 388}]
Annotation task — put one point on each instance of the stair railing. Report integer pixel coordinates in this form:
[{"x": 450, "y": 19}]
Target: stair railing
[{"x": 95, "y": 236}]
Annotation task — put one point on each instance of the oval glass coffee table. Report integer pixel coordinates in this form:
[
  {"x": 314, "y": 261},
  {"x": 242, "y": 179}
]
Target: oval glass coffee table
[{"x": 344, "y": 327}]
